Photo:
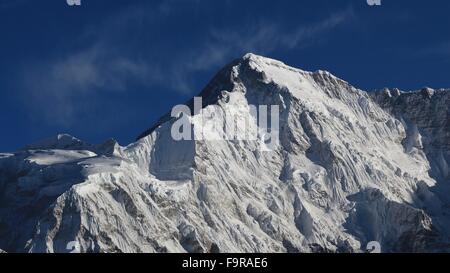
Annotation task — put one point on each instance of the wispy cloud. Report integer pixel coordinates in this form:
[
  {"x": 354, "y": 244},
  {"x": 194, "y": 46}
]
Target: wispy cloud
[
  {"x": 111, "y": 64},
  {"x": 267, "y": 37},
  {"x": 67, "y": 83},
  {"x": 439, "y": 50}
]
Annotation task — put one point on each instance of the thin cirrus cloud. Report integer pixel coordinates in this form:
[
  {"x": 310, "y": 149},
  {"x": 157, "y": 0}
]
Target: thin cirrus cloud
[
  {"x": 267, "y": 37},
  {"x": 69, "y": 84},
  {"x": 106, "y": 67},
  {"x": 441, "y": 50}
]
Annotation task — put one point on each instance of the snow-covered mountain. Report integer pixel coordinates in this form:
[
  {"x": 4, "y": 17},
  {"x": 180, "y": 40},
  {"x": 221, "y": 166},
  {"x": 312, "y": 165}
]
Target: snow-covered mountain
[{"x": 351, "y": 167}]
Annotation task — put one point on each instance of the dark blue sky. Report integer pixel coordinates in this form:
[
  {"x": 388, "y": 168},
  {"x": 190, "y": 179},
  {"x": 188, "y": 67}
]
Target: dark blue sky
[{"x": 109, "y": 68}]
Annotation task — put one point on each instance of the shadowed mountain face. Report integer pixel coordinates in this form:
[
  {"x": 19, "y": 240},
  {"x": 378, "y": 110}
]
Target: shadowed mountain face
[
  {"x": 351, "y": 167},
  {"x": 426, "y": 116}
]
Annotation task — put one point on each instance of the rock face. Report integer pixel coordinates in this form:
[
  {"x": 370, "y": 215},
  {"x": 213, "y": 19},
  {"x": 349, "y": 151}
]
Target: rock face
[
  {"x": 351, "y": 167},
  {"x": 425, "y": 114}
]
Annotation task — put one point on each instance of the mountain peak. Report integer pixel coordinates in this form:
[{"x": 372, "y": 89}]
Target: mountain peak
[
  {"x": 347, "y": 170},
  {"x": 281, "y": 73},
  {"x": 261, "y": 62},
  {"x": 60, "y": 141},
  {"x": 252, "y": 74},
  {"x": 259, "y": 58}
]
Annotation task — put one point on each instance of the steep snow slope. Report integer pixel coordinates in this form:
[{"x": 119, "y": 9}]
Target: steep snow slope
[{"x": 346, "y": 172}]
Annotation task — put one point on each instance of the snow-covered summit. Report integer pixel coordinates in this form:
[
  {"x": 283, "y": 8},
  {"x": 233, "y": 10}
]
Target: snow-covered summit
[
  {"x": 252, "y": 69},
  {"x": 351, "y": 167},
  {"x": 60, "y": 141}
]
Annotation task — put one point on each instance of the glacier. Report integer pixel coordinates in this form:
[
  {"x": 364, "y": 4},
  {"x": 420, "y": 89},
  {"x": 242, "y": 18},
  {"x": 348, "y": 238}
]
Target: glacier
[{"x": 352, "y": 167}]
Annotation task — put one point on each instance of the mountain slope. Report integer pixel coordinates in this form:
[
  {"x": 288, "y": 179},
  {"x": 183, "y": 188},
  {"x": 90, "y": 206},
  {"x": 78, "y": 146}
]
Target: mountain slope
[{"x": 351, "y": 167}]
